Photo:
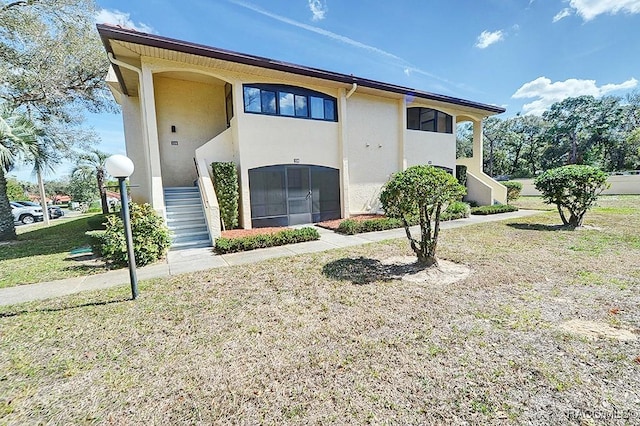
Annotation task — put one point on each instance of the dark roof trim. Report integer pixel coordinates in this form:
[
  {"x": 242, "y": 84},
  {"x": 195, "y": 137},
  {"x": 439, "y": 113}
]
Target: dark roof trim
[{"x": 109, "y": 32}]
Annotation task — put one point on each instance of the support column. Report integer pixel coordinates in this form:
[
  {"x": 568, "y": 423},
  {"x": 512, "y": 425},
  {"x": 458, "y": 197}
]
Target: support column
[
  {"x": 147, "y": 96},
  {"x": 245, "y": 195},
  {"x": 477, "y": 145},
  {"x": 402, "y": 132},
  {"x": 343, "y": 150}
]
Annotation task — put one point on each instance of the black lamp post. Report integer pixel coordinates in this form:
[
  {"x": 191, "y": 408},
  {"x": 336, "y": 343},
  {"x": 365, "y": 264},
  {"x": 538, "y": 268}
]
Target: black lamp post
[{"x": 121, "y": 167}]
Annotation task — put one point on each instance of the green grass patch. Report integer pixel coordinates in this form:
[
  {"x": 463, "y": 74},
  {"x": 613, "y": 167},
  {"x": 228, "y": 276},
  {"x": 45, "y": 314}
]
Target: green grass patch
[
  {"x": 42, "y": 253},
  {"x": 282, "y": 341}
]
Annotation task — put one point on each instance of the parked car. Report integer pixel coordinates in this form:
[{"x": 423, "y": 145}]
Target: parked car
[
  {"x": 26, "y": 214},
  {"x": 54, "y": 211}
]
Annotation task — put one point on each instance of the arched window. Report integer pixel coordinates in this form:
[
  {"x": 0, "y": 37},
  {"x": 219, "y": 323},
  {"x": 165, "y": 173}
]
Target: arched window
[
  {"x": 289, "y": 101},
  {"x": 429, "y": 120}
]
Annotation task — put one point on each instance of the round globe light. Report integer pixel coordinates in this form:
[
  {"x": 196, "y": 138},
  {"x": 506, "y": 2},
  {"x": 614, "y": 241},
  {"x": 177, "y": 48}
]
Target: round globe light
[{"x": 119, "y": 166}]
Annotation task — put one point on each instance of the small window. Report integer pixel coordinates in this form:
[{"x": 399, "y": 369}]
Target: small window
[
  {"x": 286, "y": 103},
  {"x": 268, "y": 102},
  {"x": 252, "y": 99},
  {"x": 317, "y": 108},
  {"x": 301, "y": 106},
  {"x": 329, "y": 111},
  {"x": 429, "y": 120}
]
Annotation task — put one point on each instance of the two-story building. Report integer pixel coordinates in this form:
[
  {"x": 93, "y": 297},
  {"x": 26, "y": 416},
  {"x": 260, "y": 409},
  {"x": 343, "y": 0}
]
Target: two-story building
[{"x": 309, "y": 144}]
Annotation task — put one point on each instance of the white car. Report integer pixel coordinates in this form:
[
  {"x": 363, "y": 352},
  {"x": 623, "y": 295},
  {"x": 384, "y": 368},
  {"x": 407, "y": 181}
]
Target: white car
[{"x": 26, "y": 214}]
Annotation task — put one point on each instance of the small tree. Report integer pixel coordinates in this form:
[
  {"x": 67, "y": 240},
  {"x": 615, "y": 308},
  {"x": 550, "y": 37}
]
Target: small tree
[
  {"x": 513, "y": 190},
  {"x": 574, "y": 188},
  {"x": 425, "y": 192}
]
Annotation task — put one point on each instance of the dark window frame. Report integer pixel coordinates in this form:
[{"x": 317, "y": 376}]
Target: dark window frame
[
  {"x": 297, "y": 92},
  {"x": 448, "y": 126}
]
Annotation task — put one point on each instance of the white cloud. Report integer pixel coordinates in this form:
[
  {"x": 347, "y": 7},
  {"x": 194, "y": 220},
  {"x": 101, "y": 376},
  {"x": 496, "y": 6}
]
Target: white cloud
[
  {"x": 318, "y": 8},
  {"x": 589, "y": 9},
  {"x": 562, "y": 14},
  {"x": 487, "y": 38},
  {"x": 549, "y": 93},
  {"x": 115, "y": 17}
]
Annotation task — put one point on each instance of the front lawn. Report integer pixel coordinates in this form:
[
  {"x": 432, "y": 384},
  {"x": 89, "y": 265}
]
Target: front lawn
[
  {"x": 544, "y": 331},
  {"x": 42, "y": 253}
]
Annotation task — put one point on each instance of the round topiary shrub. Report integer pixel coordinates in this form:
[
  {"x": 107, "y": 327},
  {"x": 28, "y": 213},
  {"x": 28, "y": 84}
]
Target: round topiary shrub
[
  {"x": 151, "y": 238},
  {"x": 573, "y": 189}
]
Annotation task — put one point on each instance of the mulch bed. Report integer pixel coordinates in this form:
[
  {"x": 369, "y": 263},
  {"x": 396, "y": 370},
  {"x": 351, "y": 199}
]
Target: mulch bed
[{"x": 327, "y": 224}]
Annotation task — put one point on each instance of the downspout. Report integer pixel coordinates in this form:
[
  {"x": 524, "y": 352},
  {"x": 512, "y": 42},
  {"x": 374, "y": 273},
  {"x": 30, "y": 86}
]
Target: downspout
[
  {"x": 125, "y": 65},
  {"x": 352, "y": 91}
]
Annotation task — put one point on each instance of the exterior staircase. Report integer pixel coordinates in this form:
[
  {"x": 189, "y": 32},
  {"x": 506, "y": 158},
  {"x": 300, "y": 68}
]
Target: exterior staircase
[{"x": 185, "y": 218}]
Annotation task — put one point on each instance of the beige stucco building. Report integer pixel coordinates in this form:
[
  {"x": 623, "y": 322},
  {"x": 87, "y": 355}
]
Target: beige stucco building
[{"x": 309, "y": 144}]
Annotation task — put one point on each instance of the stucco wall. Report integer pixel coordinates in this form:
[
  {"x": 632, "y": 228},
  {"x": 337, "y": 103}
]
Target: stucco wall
[
  {"x": 132, "y": 120},
  {"x": 268, "y": 140},
  {"x": 437, "y": 149},
  {"x": 373, "y": 148},
  {"x": 620, "y": 185},
  {"x": 198, "y": 113}
]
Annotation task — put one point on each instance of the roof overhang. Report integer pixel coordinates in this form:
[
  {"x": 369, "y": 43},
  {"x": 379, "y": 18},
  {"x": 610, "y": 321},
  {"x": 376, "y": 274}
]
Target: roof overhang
[{"x": 109, "y": 34}]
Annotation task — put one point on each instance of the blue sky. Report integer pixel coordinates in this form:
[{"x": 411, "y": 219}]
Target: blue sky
[{"x": 520, "y": 54}]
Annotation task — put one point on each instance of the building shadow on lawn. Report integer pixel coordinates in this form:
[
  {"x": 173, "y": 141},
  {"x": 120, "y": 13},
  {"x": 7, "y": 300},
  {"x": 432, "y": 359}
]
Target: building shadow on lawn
[
  {"x": 10, "y": 313},
  {"x": 539, "y": 227},
  {"x": 363, "y": 270}
]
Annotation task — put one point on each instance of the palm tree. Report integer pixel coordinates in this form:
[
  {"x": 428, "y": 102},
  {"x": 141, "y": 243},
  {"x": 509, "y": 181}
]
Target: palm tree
[
  {"x": 18, "y": 142},
  {"x": 92, "y": 164}
]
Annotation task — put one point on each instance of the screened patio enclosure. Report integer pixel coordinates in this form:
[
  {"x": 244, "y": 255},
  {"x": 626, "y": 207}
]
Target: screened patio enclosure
[{"x": 293, "y": 194}]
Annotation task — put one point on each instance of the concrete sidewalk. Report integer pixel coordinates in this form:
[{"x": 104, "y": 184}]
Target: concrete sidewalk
[{"x": 191, "y": 260}]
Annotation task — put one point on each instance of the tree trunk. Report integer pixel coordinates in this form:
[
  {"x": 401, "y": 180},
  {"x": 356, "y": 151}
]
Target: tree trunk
[
  {"x": 427, "y": 261},
  {"x": 103, "y": 191},
  {"x": 7, "y": 228},
  {"x": 562, "y": 216},
  {"x": 574, "y": 150},
  {"x": 43, "y": 200}
]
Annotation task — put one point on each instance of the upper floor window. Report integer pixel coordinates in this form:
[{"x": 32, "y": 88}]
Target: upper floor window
[
  {"x": 429, "y": 120},
  {"x": 289, "y": 101}
]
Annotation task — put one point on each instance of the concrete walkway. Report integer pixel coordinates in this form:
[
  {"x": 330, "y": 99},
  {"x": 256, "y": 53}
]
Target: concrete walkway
[{"x": 191, "y": 260}]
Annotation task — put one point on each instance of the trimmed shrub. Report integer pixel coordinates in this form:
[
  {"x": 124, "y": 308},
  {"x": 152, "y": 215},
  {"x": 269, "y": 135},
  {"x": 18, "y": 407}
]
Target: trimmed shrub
[
  {"x": 286, "y": 236},
  {"x": 151, "y": 238},
  {"x": 513, "y": 190},
  {"x": 225, "y": 183},
  {"x": 456, "y": 210},
  {"x": 574, "y": 188},
  {"x": 495, "y": 209}
]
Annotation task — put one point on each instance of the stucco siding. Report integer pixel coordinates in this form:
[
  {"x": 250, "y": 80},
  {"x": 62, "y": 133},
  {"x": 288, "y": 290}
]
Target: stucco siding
[
  {"x": 373, "y": 148},
  {"x": 132, "y": 120},
  {"x": 269, "y": 140},
  {"x": 437, "y": 149},
  {"x": 198, "y": 113}
]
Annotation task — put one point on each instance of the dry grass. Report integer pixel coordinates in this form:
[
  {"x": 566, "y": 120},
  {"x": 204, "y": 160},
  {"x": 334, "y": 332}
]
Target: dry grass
[{"x": 331, "y": 338}]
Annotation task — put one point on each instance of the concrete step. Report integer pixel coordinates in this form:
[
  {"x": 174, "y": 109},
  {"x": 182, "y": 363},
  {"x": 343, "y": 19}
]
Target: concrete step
[{"x": 185, "y": 218}]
